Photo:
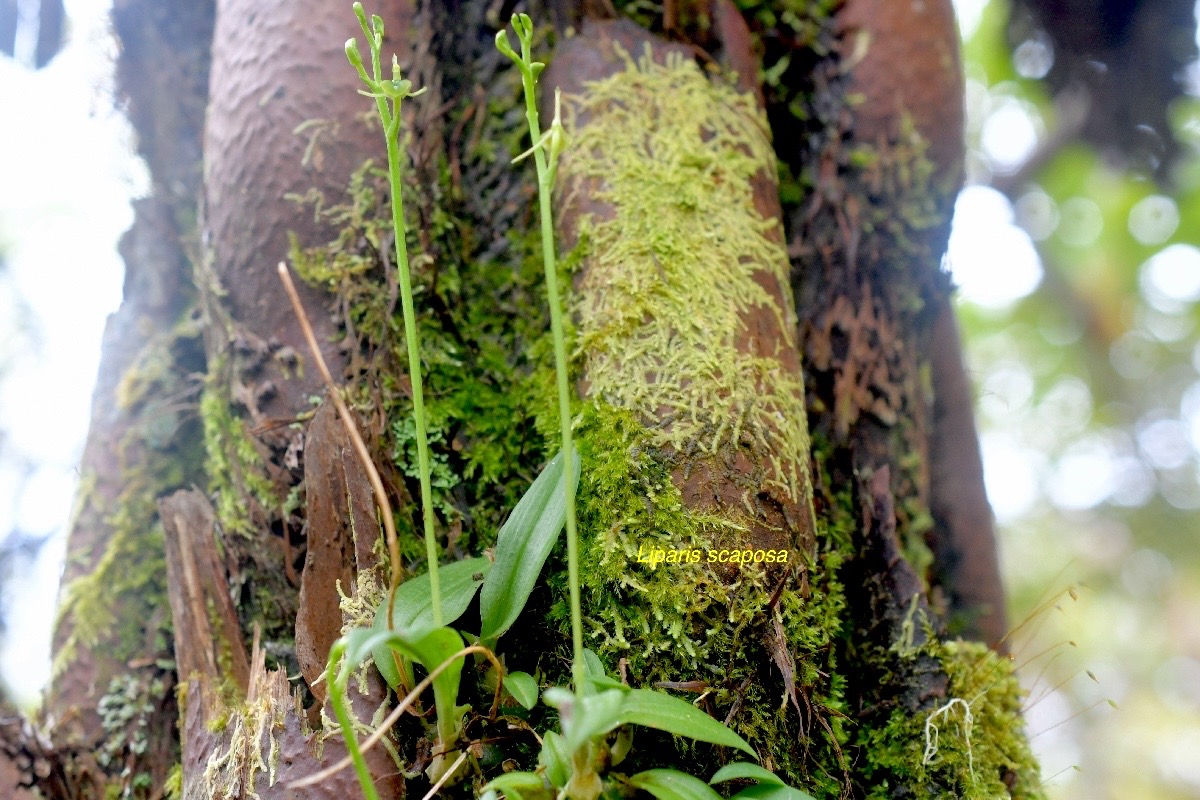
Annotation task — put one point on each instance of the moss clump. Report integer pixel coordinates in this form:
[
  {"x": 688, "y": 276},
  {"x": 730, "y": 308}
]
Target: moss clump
[
  {"x": 233, "y": 772},
  {"x": 686, "y": 622},
  {"x": 673, "y": 277},
  {"x": 670, "y": 278},
  {"x": 971, "y": 745},
  {"x": 235, "y": 468}
]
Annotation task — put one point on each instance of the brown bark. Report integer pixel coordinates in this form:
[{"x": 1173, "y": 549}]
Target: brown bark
[
  {"x": 275, "y": 67},
  {"x": 341, "y": 532},
  {"x": 244, "y": 729},
  {"x": 208, "y": 640},
  {"x": 964, "y": 536}
]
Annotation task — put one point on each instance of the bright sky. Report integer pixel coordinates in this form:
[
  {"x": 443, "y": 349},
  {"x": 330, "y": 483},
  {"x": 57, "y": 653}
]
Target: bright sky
[{"x": 66, "y": 177}]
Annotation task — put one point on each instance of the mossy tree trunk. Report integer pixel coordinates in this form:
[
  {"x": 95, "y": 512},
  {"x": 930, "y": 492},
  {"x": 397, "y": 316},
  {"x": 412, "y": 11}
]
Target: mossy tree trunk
[{"x": 722, "y": 154}]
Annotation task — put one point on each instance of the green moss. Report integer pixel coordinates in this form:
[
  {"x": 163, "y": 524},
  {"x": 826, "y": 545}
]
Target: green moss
[
  {"x": 672, "y": 278},
  {"x": 478, "y": 313},
  {"x": 972, "y": 745},
  {"x": 236, "y": 472},
  {"x": 173, "y": 786},
  {"x": 131, "y": 567}
]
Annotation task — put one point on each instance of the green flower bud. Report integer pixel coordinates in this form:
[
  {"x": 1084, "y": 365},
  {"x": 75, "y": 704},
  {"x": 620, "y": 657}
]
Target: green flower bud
[
  {"x": 505, "y": 46},
  {"x": 352, "y": 54}
]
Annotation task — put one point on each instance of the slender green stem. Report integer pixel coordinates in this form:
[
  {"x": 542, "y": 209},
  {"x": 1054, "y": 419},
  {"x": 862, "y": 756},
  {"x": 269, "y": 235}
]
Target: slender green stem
[
  {"x": 388, "y": 96},
  {"x": 545, "y": 172},
  {"x": 414, "y": 360},
  {"x": 337, "y": 698}
]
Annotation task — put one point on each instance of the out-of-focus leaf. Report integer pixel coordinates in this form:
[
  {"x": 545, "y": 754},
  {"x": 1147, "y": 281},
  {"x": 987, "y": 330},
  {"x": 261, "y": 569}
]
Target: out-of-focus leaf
[
  {"x": 745, "y": 770},
  {"x": 771, "y": 791}
]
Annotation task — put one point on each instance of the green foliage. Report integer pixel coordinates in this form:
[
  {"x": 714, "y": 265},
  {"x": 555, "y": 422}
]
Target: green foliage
[
  {"x": 972, "y": 746},
  {"x": 671, "y": 784},
  {"x": 522, "y": 547},
  {"x": 744, "y": 770},
  {"x": 571, "y": 763},
  {"x": 127, "y": 714},
  {"x": 413, "y": 609},
  {"x": 523, "y": 688},
  {"x": 235, "y": 468}
]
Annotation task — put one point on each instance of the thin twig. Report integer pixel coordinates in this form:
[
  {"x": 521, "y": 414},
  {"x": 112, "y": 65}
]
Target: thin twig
[
  {"x": 409, "y": 699},
  {"x": 360, "y": 447}
]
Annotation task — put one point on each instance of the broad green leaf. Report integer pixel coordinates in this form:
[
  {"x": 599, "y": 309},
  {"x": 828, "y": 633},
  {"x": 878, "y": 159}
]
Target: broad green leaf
[
  {"x": 518, "y": 785},
  {"x": 771, "y": 791},
  {"x": 523, "y": 688},
  {"x": 363, "y": 642},
  {"x": 386, "y": 665},
  {"x": 458, "y": 582},
  {"x": 671, "y": 784},
  {"x": 747, "y": 771},
  {"x": 652, "y": 709},
  {"x": 437, "y": 646},
  {"x": 555, "y": 758},
  {"x": 592, "y": 665},
  {"x": 522, "y": 547}
]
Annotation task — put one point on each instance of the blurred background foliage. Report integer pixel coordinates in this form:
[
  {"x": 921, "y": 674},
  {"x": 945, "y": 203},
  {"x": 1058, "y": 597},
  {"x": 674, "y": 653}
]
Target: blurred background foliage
[
  {"x": 1077, "y": 252},
  {"x": 1077, "y": 247}
]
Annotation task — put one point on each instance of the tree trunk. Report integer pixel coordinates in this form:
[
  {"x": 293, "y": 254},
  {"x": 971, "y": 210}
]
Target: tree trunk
[{"x": 719, "y": 156}]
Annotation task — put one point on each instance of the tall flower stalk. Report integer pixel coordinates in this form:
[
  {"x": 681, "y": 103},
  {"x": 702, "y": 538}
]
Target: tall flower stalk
[
  {"x": 546, "y": 150},
  {"x": 388, "y": 95}
]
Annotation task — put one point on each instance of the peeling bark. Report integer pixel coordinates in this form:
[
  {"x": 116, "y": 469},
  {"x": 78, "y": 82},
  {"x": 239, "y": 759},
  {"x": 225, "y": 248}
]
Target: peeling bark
[
  {"x": 341, "y": 532},
  {"x": 208, "y": 641}
]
